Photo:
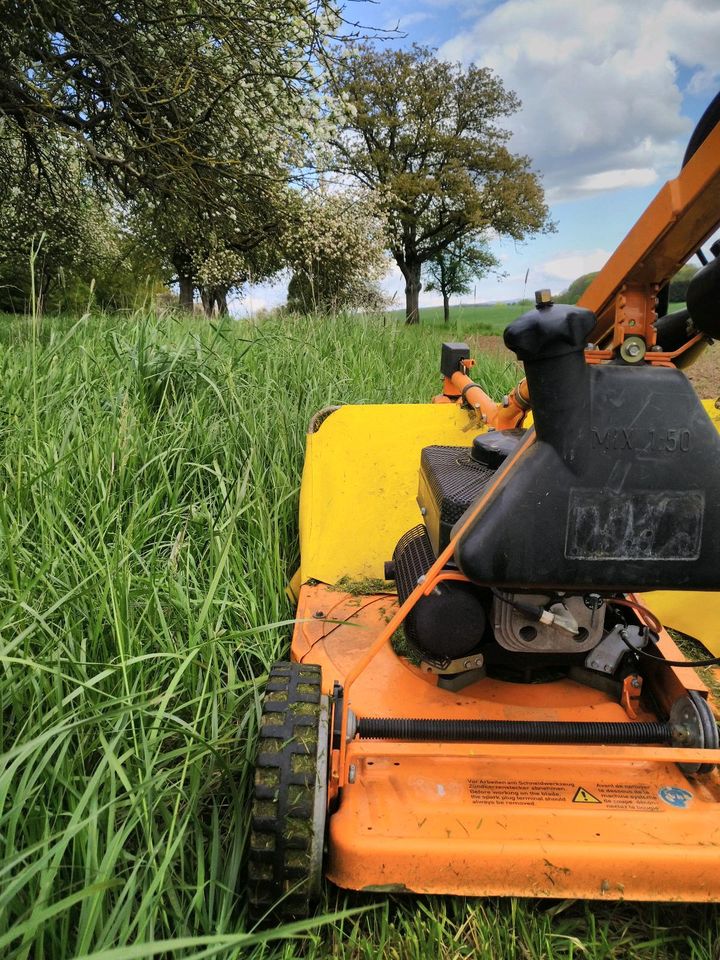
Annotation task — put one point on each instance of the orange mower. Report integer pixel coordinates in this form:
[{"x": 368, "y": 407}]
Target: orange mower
[{"x": 483, "y": 697}]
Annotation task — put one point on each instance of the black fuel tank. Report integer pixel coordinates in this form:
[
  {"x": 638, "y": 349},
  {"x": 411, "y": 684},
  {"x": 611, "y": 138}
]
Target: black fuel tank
[{"x": 620, "y": 491}]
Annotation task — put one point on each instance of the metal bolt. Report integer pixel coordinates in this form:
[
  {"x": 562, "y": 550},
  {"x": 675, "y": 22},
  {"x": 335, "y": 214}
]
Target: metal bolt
[
  {"x": 681, "y": 734},
  {"x": 543, "y": 298},
  {"x": 633, "y": 349},
  {"x": 423, "y": 511},
  {"x": 473, "y": 662},
  {"x": 635, "y": 683},
  {"x": 319, "y": 614},
  {"x": 352, "y": 773}
]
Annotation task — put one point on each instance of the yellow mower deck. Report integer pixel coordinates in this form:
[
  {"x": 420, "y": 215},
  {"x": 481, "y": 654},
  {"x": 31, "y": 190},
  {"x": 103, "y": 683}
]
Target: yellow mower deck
[
  {"x": 480, "y": 819},
  {"x": 358, "y": 498}
]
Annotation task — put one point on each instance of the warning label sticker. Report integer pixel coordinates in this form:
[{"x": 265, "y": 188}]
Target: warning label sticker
[
  {"x": 584, "y": 796},
  {"x": 540, "y": 793},
  {"x": 520, "y": 793},
  {"x": 628, "y": 796}
]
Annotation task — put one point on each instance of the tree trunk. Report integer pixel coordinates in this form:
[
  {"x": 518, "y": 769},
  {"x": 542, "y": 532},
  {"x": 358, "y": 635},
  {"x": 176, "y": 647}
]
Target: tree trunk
[
  {"x": 186, "y": 291},
  {"x": 214, "y": 297},
  {"x": 413, "y": 286},
  {"x": 221, "y": 300},
  {"x": 207, "y": 301},
  {"x": 446, "y": 306}
]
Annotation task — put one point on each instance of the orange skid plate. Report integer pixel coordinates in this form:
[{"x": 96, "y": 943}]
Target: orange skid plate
[
  {"x": 505, "y": 818},
  {"x": 478, "y": 821}
]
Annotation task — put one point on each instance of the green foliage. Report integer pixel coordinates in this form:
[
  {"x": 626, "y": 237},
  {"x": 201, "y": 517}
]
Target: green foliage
[
  {"x": 452, "y": 271},
  {"x": 334, "y": 244},
  {"x": 424, "y": 134},
  {"x": 192, "y": 115},
  {"x": 577, "y": 288},
  {"x": 680, "y": 283},
  {"x": 213, "y": 251},
  {"x": 169, "y": 97},
  {"x": 55, "y": 234}
]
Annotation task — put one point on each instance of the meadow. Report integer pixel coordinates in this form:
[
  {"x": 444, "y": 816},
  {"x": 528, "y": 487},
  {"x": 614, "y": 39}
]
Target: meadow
[
  {"x": 480, "y": 318},
  {"x": 150, "y": 471}
]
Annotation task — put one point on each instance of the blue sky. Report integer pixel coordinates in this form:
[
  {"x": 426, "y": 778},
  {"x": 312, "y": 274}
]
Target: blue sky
[{"x": 610, "y": 90}]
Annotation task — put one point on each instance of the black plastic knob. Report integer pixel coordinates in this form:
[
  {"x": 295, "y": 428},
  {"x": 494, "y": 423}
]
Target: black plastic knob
[
  {"x": 550, "y": 331},
  {"x": 492, "y": 449}
]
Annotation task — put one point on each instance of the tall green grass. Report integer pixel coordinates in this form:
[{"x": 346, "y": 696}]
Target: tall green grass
[{"x": 150, "y": 473}]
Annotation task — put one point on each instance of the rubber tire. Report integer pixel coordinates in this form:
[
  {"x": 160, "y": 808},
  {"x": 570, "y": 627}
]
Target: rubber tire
[
  {"x": 711, "y": 737},
  {"x": 290, "y": 795},
  {"x": 704, "y": 127}
]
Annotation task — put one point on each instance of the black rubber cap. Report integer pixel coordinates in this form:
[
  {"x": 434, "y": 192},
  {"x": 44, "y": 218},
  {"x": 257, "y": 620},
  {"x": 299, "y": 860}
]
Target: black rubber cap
[
  {"x": 492, "y": 449},
  {"x": 551, "y": 331}
]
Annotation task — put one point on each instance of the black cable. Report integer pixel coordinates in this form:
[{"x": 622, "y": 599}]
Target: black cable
[
  {"x": 529, "y": 610},
  {"x": 710, "y": 662}
]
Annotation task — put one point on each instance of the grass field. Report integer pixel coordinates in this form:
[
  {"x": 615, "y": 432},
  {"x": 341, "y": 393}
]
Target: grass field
[
  {"x": 150, "y": 473},
  {"x": 478, "y": 318},
  {"x": 473, "y": 318}
]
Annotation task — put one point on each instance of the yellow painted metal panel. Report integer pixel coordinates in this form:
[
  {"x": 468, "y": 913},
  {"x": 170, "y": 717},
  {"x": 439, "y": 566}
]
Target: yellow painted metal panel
[
  {"x": 694, "y": 613},
  {"x": 358, "y": 498},
  {"x": 713, "y": 411},
  {"x": 360, "y": 482},
  {"x": 691, "y": 612}
]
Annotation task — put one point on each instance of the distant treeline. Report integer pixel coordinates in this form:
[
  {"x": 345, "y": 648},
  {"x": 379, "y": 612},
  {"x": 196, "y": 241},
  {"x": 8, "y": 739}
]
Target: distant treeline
[{"x": 678, "y": 285}]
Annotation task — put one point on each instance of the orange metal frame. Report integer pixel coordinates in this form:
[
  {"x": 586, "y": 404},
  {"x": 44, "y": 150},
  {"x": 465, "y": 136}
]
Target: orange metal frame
[
  {"x": 623, "y": 295},
  {"x": 538, "y": 820},
  {"x": 496, "y": 818}
]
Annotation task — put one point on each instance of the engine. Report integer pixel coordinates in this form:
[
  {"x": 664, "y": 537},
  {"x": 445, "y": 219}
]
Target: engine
[{"x": 617, "y": 494}]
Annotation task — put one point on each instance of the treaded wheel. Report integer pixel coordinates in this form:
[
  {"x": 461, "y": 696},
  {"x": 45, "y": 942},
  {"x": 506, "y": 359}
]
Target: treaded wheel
[
  {"x": 694, "y": 726},
  {"x": 290, "y": 799}
]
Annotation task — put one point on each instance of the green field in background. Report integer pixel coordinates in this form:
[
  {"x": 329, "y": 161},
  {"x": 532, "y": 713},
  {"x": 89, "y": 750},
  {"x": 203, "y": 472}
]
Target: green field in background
[{"x": 491, "y": 318}]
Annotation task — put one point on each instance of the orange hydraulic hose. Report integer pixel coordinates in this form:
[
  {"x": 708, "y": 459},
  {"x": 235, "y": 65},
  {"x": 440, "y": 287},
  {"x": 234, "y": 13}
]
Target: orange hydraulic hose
[
  {"x": 501, "y": 416},
  {"x": 473, "y": 395}
]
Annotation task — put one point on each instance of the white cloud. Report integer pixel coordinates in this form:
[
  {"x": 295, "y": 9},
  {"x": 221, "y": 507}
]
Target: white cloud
[
  {"x": 704, "y": 81},
  {"x": 570, "y": 265},
  {"x": 599, "y": 83},
  {"x": 259, "y": 297},
  {"x": 407, "y": 20},
  {"x": 605, "y": 180}
]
